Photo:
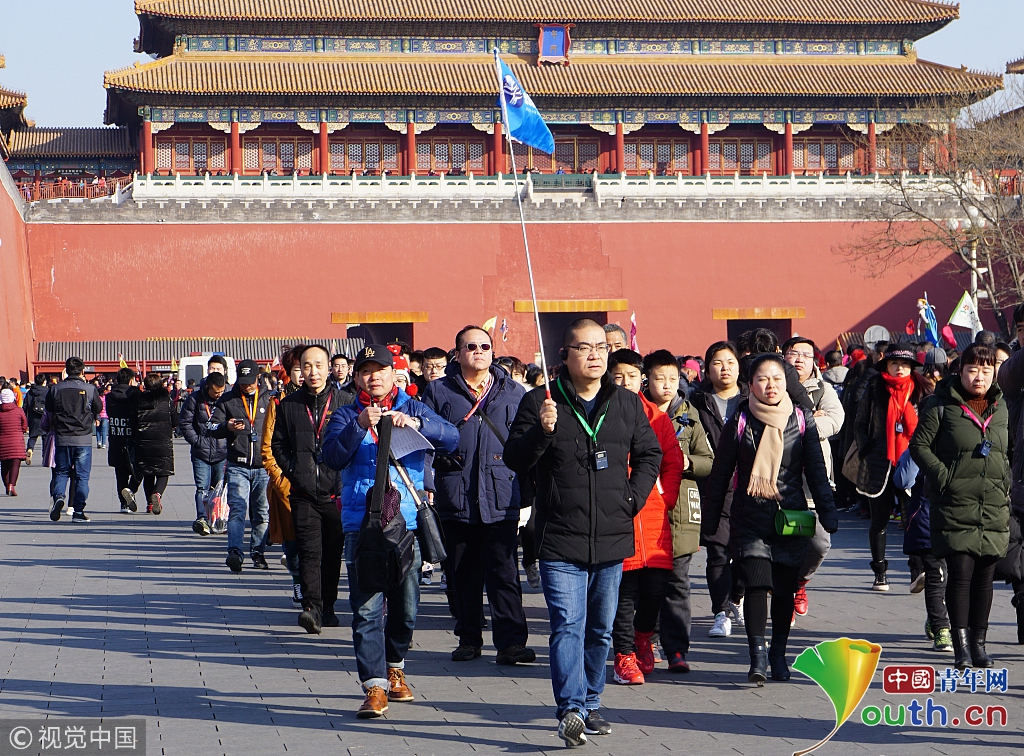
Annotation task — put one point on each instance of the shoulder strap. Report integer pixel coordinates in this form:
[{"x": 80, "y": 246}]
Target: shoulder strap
[
  {"x": 404, "y": 475},
  {"x": 502, "y": 438},
  {"x": 383, "y": 453}
]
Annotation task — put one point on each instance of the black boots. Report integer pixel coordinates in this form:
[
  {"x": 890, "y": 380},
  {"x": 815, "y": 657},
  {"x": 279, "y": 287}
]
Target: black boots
[
  {"x": 758, "y": 672},
  {"x": 879, "y": 567},
  {"x": 976, "y": 644},
  {"x": 777, "y": 657},
  {"x": 1018, "y": 603},
  {"x": 961, "y": 654}
]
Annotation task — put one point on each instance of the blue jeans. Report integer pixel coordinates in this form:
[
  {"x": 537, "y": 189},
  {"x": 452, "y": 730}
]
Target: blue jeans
[
  {"x": 102, "y": 431},
  {"x": 381, "y": 644},
  {"x": 207, "y": 476},
  {"x": 247, "y": 490},
  {"x": 581, "y": 600},
  {"x": 76, "y": 462}
]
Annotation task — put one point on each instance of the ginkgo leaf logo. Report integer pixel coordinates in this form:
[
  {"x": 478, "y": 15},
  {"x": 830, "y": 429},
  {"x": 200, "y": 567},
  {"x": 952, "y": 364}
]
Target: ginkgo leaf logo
[{"x": 842, "y": 668}]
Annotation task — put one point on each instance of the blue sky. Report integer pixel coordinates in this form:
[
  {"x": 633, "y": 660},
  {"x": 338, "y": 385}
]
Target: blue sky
[{"x": 57, "y": 50}]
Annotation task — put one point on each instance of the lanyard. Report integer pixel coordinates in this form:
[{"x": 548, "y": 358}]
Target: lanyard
[
  {"x": 251, "y": 416},
  {"x": 323, "y": 419},
  {"x": 976, "y": 420},
  {"x": 483, "y": 395},
  {"x": 583, "y": 420}
]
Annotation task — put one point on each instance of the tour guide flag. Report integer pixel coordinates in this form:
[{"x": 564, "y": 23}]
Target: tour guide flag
[
  {"x": 521, "y": 115},
  {"x": 965, "y": 315}
]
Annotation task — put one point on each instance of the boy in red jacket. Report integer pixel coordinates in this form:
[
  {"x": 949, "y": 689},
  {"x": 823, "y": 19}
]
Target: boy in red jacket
[{"x": 645, "y": 575}]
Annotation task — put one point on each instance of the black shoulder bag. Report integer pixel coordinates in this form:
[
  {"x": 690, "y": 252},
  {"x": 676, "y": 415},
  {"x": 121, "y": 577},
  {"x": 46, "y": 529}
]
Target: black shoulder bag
[
  {"x": 384, "y": 548},
  {"x": 428, "y": 527}
]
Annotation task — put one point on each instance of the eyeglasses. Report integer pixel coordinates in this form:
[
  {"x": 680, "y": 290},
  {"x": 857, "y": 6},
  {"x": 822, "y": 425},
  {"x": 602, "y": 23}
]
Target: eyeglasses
[
  {"x": 473, "y": 347},
  {"x": 804, "y": 355},
  {"x": 584, "y": 348}
]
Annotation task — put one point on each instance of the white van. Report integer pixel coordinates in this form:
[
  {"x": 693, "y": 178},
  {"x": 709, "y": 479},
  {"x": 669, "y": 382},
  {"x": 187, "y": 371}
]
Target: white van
[{"x": 194, "y": 368}]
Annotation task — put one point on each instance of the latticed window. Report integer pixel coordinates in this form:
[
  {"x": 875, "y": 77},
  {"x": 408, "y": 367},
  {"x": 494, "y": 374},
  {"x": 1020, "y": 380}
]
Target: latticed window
[
  {"x": 163, "y": 154},
  {"x": 441, "y": 164},
  {"x": 631, "y": 151},
  {"x": 287, "y": 157},
  {"x": 747, "y": 156},
  {"x": 269, "y": 156},
  {"x": 814, "y": 154},
  {"x": 217, "y": 155},
  {"x": 423, "y": 156},
  {"x": 458, "y": 156},
  {"x": 565, "y": 156},
  {"x": 846, "y": 156},
  {"x": 475, "y": 159},
  {"x": 730, "y": 153},
  {"x": 181, "y": 155},
  {"x": 587, "y": 152},
  {"x": 646, "y": 156},
  {"x": 372, "y": 150},
  {"x": 661, "y": 156},
  {"x": 355, "y": 156},
  {"x": 681, "y": 156},
  {"x": 764, "y": 157},
  {"x": 389, "y": 156},
  {"x": 738, "y": 155},
  {"x": 251, "y": 155},
  {"x": 715, "y": 156},
  {"x": 338, "y": 156},
  {"x": 199, "y": 156},
  {"x": 304, "y": 155}
]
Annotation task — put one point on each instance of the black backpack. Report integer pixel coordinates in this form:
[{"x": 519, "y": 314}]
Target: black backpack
[{"x": 384, "y": 548}]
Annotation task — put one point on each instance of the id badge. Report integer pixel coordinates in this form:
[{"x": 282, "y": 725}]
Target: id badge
[
  {"x": 984, "y": 448},
  {"x": 899, "y": 427},
  {"x": 252, "y": 436},
  {"x": 600, "y": 459}
]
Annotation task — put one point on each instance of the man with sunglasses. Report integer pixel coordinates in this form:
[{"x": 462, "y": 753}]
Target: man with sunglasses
[
  {"x": 596, "y": 460},
  {"x": 477, "y": 498}
]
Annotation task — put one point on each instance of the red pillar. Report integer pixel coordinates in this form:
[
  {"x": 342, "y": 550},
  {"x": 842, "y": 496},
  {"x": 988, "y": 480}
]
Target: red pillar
[
  {"x": 325, "y": 149},
  {"x": 148, "y": 158},
  {"x": 789, "y": 148},
  {"x": 872, "y": 148},
  {"x": 705, "y": 148},
  {"x": 620, "y": 149},
  {"x": 236, "y": 149},
  {"x": 410, "y": 148},
  {"x": 498, "y": 151}
]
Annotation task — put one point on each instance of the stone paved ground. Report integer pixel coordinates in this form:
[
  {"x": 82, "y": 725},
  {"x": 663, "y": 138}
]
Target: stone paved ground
[{"x": 135, "y": 615}]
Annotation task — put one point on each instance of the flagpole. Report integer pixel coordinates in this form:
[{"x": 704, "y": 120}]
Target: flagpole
[{"x": 522, "y": 221}]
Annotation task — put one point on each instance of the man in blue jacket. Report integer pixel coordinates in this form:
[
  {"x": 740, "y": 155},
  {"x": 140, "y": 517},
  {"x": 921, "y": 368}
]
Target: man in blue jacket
[
  {"x": 350, "y": 445},
  {"x": 477, "y": 499}
]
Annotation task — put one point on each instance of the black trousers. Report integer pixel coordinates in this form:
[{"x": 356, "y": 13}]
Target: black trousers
[
  {"x": 969, "y": 589},
  {"x": 881, "y": 509},
  {"x": 528, "y": 539},
  {"x": 724, "y": 581},
  {"x": 484, "y": 556},
  {"x": 320, "y": 543},
  {"x": 641, "y": 593},
  {"x": 675, "y": 609},
  {"x": 125, "y": 477},
  {"x": 152, "y": 484},
  {"x": 783, "y": 580}
]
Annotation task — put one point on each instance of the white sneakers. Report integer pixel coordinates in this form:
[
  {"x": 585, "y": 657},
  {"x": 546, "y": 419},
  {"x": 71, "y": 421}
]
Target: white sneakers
[
  {"x": 722, "y": 628},
  {"x": 735, "y": 611}
]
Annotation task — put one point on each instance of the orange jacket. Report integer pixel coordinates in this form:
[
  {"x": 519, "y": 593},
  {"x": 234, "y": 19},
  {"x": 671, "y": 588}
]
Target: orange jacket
[{"x": 652, "y": 533}]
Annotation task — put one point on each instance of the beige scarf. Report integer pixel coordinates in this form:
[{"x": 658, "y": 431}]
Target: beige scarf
[{"x": 764, "y": 475}]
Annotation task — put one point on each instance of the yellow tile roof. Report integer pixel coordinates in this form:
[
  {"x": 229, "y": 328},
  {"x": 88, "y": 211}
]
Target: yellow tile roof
[
  {"x": 71, "y": 142},
  {"x": 658, "y": 11},
  {"x": 11, "y": 99},
  {"x": 1015, "y": 66},
  {"x": 231, "y": 75}
]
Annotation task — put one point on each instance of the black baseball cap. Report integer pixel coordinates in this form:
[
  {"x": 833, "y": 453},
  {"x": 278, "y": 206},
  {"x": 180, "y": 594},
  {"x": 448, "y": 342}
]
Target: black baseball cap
[
  {"x": 374, "y": 353},
  {"x": 248, "y": 372}
]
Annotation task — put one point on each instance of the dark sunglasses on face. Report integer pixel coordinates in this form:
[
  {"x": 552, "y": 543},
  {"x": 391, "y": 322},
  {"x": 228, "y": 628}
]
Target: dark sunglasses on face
[{"x": 474, "y": 347}]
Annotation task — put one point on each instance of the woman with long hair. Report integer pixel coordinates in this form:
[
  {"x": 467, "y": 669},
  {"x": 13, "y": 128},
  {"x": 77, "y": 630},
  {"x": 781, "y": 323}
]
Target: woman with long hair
[
  {"x": 961, "y": 446},
  {"x": 769, "y": 447},
  {"x": 886, "y": 421}
]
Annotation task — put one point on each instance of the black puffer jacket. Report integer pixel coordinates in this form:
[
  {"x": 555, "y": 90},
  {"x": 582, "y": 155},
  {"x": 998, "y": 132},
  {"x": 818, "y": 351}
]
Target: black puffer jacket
[
  {"x": 869, "y": 431},
  {"x": 752, "y": 521},
  {"x": 243, "y": 445},
  {"x": 295, "y": 443},
  {"x": 713, "y": 423},
  {"x": 194, "y": 426},
  {"x": 151, "y": 432},
  {"x": 121, "y": 413},
  {"x": 586, "y": 515}
]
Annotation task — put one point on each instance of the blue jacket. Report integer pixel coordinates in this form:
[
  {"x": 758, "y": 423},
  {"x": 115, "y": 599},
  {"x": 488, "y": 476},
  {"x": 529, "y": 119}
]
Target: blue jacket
[
  {"x": 351, "y": 449},
  {"x": 485, "y": 490},
  {"x": 917, "y": 537}
]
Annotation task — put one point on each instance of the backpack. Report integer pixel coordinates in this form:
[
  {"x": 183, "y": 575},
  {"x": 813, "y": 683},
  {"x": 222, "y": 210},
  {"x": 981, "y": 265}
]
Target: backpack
[
  {"x": 384, "y": 547},
  {"x": 38, "y": 405}
]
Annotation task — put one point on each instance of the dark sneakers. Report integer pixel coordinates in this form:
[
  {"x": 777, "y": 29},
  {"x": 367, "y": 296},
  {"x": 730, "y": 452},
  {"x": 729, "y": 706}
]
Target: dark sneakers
[
  {"x": 515, "y": 654},
  {"x": 201, "y": 527},
  {"x": 79, "y": 517},
  {"x": 677, "y": 663},
  {"x": 56, "y": 507},
  {"x": 259, "y": 562},
  {"x": 234, "y": 561},
  {"x": 570, "y": 729},
  {"x": 466, "y": 652},
  {"x": 595, "y": 724},
  {"x": 309, "y": 622},
  {"x": 332, "y": 620},
  {"x": 128, "y": 496}
]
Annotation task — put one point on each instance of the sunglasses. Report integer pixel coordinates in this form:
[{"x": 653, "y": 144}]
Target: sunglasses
[{"x": 473, "y": 347}]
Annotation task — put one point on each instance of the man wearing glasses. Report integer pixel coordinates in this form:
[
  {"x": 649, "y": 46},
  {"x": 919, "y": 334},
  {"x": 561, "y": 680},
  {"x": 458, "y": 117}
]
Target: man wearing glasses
[
  {"x": 596, "y": 461},
  {"x": 477, "y": 498}
]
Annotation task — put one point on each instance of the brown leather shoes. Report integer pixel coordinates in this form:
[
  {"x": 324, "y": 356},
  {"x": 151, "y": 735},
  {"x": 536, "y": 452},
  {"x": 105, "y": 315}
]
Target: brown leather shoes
[
  {"x": 399, "y": 692},
  {"x": 375, "y": 705}
]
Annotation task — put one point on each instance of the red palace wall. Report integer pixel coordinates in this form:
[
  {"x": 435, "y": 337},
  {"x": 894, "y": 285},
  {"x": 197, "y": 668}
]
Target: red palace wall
[
  {"x": 15, "y": 308},
  {"x": 231, "y": 280}
]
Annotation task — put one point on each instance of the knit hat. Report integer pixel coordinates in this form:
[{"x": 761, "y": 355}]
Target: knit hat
[
  {"x": 6, "y": 396},
  {"x": 936, "y": 357}
]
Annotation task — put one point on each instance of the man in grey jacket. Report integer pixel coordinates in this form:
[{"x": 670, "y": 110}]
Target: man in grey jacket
[{"x": 73, "y": 405}]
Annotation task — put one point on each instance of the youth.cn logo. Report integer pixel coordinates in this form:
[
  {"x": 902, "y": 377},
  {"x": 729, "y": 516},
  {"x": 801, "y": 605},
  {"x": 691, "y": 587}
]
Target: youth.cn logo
[{"x": 513, "y": 92}]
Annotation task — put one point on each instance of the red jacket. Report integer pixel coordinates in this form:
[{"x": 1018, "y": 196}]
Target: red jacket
[
  {"x": 652, "y": 533},
  {"x": 13, "y": 426}
]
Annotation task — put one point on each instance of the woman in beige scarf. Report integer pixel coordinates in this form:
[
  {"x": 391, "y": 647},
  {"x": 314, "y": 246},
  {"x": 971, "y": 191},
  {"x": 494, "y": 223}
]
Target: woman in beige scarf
[{"x": 770, "y": 446}]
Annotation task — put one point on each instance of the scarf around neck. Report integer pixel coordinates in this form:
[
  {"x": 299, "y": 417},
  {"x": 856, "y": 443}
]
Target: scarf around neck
[
  {"x": 764, "y": 474},
  {"x": 900, "y": 411},
  {"x": 385, "y": 402}
]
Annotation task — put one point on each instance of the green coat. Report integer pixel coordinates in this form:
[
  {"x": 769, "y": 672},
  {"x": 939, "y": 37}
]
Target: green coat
[
  {"x": 969, "y": 493},
  {"x": 693, "y": 441}
]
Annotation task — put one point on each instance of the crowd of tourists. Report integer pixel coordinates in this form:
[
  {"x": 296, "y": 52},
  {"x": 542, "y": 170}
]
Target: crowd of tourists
[{"x": 601, "y": 484}]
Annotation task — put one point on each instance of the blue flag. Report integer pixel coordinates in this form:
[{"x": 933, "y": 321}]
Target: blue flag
[{"x": 521, "y": 116}]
